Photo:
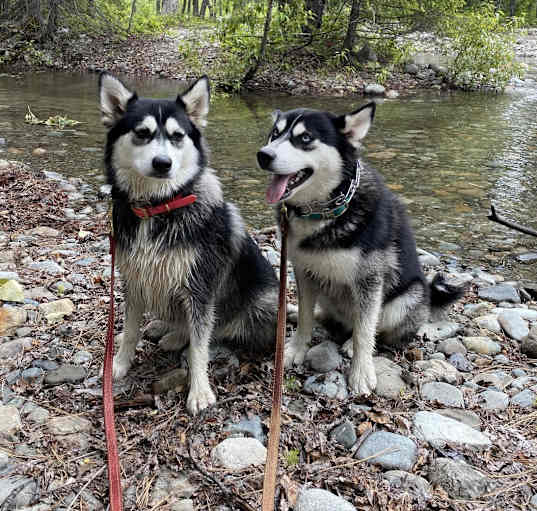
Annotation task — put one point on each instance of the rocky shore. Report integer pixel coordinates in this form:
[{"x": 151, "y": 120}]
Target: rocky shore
[{"x": 452, "y": 424}]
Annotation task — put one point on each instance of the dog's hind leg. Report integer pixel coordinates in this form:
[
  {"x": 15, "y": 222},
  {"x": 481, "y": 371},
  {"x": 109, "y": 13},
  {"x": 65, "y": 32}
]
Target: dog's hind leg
[
  {"x": 128, "y": 339},
  {"x": 362, "y": 376},
  {"x": 200, "y": 395},
  {"x": 295, "y": 350}
]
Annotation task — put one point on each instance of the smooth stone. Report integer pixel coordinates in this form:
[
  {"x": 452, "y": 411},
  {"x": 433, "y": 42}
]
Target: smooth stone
[
  {"x": 374, "y": 89},
  {"x": 527, "y": 314},
  {"x": 65, "y": 374},
  {"x": 439, "y": 430},
  {"x": 68, "y": 424},
  {"x": 11, "y": 318},
  {"x": 498, "y": 379},
  {"x": 427, "y": 259},
  {"x": 529, "y": 257},
  {"x": 403, "y": 457},
  {"x": 239, "y": 453},
  {"x": 44, "y": 231},
  {"x": 11, "y": 291},
  {"x": 34, "y": 413},
  {"x": 439, "y": 330},
  {"x": 529, "y": 347},
  {"x": 437, "y": 356},
  {"x": 443, "y": 393},
  {"x": 450, "y": 346},
  {"x": 482, "y": 345},
  {"x": 171, "y": 486},
  {"x": 39, "y": 293},
  {"x": 344, "y": 434},
  {"x": 82, "y": 357},
  {"x": 514, "y": 326},
  {"x": 56, "y": 310},
  {"x": 493, "y": 400},
  {"x": 32, "y": 374},
  {"x": 50, "y": 267},
  {"x": 465, "y": 416},
  {"x": 520, "y": 382},
  {"x": 517, "y": 373},
  {"x": 315, "y": 499},
  {"x": 17, "y": 491},
  {"x": 332, "y": 385},
  {"x": 485, "y": 277},
  {"x": 390, "y": 385},
  {"x": 525, "y": 399},
  {"x": 324, "y": 357},
  {"x": 499, "y": 293},
  {"x": 460, "y": 362},
  {"x": 10, "y": 422},
  {"x": 489, "y": 322},
  {"x": 501, "y": 359},
  {"x": 8, "y": 275},
  {"x": 533, "y": 502},
  {"x": 183, "y": 505},
  {"x": 473, "y": 310},
  {"x": 409, "y": 482},
  {"x": 46, "y": 365},
  {"x": 248, "y": 426},
  {"x": 10, "y": 349},
  {"x": 459, "y": 479},
  {"x": 438, "y": 370},
  {"x": 411, "y": 68}
]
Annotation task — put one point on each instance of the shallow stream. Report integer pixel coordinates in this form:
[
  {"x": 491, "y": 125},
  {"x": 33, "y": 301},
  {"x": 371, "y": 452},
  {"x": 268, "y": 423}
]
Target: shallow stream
[{"x": 449, "y": 155}]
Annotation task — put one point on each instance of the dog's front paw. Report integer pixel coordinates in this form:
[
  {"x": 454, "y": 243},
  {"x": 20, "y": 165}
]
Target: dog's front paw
[
  {"x": 200, "y": 398},
  {"x": 363, "y": 379},
  {"x": 121, "y": 366},
  {"x": 172, "y": 342},
  {"x": 348, "y": 348},
  {"x": 295, "y": 352}
]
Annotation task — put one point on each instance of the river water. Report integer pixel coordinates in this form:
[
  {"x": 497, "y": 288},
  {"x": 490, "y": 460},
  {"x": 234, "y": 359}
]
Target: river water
[{"x": 449, "y": 155}]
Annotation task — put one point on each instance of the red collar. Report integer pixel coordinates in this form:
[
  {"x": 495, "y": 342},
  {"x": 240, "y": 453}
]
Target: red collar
[{"x": 166, "y": 207}]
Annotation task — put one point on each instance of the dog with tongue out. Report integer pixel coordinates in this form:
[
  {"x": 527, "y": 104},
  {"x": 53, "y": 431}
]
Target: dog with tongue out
[{"x": 349, "y": 240}]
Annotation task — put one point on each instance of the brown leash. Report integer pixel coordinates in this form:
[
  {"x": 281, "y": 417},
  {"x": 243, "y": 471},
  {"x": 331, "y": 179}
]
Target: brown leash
[
  {"x": 271, "y": 467},
  {"x": 114, "y": 471}
]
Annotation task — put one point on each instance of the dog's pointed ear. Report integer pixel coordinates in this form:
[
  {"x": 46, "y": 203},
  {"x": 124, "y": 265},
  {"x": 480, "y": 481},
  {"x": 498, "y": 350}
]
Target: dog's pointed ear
[
  {"x": 196, "y": 101},
  {"x": 356, "y": 124},
  {"x": 114, "y": 97},
  {"x": 275, "y": 115}
]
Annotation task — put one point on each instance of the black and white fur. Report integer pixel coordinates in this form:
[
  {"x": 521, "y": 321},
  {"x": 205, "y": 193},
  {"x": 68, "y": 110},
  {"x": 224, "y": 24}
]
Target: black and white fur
[
  {"x": 195, "y": 267},
  {"x": 362, "y": 267}
]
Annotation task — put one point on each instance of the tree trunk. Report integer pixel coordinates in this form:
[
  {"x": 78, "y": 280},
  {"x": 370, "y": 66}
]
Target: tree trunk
[
  {"x": 195, "y": 7},
  {"x": 350, "y": 37},
  {"x": 158, "y": 6},
  {"x": 133, "y": 12},
  {"x": 203, "y": 10},
  {"x": 317, "y": 10},
  {"x": 261, "y": 56},
  {"x": 52, "y": 21},
  {"x": 184, "y": 7},
  {"x": 169, "y": 6},
  {"x": 512, "y": 8}
]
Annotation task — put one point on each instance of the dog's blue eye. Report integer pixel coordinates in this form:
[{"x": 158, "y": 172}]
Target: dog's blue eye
[
  {"x": 305, "y": 138},
  {"x": 143, "y": 133},
  {"x": 177, "y": 136}
]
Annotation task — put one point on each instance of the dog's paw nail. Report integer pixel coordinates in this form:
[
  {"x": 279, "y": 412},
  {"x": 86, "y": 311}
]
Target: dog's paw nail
[{"x": 199, "y": 400}]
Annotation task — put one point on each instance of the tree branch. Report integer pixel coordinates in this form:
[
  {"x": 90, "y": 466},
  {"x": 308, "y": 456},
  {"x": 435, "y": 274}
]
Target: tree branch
[{"x": 512, "y": 225}]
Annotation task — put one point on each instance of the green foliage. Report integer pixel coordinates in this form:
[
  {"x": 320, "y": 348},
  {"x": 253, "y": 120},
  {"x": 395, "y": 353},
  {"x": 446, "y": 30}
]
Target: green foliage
[
  {"x": 292, "y": 459},
  {"x": 57, "y": 121},
  {"x": 291, "y": 384},
  {"x": 483, "y": 48}
]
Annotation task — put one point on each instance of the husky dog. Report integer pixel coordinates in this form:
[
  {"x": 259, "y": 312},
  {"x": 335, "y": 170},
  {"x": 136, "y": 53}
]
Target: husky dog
[
  {"x": 190, "y": 261},
  {"x": 350, "y": 241}
]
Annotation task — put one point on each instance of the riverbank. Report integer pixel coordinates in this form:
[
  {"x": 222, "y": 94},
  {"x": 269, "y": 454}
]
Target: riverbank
[
  {"x": 160, "y": 56},
  {"x": 452, "y": 424}
]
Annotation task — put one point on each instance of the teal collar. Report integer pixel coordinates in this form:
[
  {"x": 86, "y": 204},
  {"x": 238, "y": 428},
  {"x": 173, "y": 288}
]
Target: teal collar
[{"x": 334, "y": 207}]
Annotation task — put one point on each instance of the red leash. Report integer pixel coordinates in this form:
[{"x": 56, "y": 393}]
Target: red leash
[{"x": 114, "y": 473}]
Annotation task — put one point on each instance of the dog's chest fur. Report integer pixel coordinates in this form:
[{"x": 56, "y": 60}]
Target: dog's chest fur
[{"x": 156, "y": 275}]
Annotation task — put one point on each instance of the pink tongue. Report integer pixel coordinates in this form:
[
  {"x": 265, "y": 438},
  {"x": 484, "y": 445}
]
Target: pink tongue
[{"x": 277, "y": 188}]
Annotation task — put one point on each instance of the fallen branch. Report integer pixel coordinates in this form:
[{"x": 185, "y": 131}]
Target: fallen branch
[{"x": 512, "y": 225}]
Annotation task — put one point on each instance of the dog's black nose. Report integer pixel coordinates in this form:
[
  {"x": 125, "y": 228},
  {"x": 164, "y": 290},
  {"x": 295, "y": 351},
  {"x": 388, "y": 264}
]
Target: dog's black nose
[
  {"x": 265, "y": 158},
  {"x": 162, "y": 164}
]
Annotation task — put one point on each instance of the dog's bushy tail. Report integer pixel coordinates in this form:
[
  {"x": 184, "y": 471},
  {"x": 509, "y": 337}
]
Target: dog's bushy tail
[{"x": 443, "y": 294}]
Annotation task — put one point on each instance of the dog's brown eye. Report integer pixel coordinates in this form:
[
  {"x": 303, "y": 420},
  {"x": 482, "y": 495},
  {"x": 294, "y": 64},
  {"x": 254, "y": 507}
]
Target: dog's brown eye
[
  {"x": 177, "y": 136},
  {"x": 143, "y": 133}
]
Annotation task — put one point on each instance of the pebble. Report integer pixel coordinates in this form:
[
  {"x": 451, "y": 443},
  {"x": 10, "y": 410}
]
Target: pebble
[
  {"x": 81, "y": 357},
  {"x": 459, "y": 479},
  {"x": 46, "y": 232},
  {"x": 529, "y": 347},
  {"x": 8, "y": 275},
  {"x": 56, "y": 310},
  {"x": 482, "y": 345},
  {"x": 404, "y": 452},
  {"x": 315, "y": 499},
  {"x": 443, "y": 393},
  {"x": 11, "y": 291},
  {"x": 324, "y": 357},
  {"x": 450, "y": 346},
  {"x": 439, "y": 430},
  {"x": 332, "y": 385},
  {"x": 439, "y": 330},
  {"x": 34, "y": 413},
  {"x": 65, "y": 374},
  {"x": 10, "y": 422},
  {"x": 489, "y": 322},
  {"x": 171, "y": 486},
  {"x": 520, "y": 382},
  {"x": 460, "y": 362},
  {"x": 409, "y": 482},
  {"x": 11, "y": 318},
  {"x": 498, "y": 379},
  {"x": 527, "y": 314},
  {"x": 501, "y": 359},
  {"x": 20, "y": 490},
  {"x": 525, "y": 399},
  {"x": 473, "y": 310},
  {"x": 32, "y": 374},
  {"x": 465, "y": 416},
  {"x": 533, "y": 502},
  {"x": 390, "y": 385},
  {"x": 494, "y": 400},
  {"x": 374, "y": 89},
  {"x": 239, "y": 453},
  {"x": 513, "y": 324},
  {"x": 248, "y": 426},
  {"x": 50, "y": 267},
  {"x": 438, "y": 370},
  {"x": 10, "y": 349},
  {"x": 68, "y": 424},
  {"x": 499, "y": 293},
  {"x": 61, "y": 287},
  {"x": 517, "y": 373},
  {"x": 47, "y": 365},
  {"x": 39, "y": 293},
  {"x": 344, "y": 434},
  {"x": 437, "y": 356}
]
